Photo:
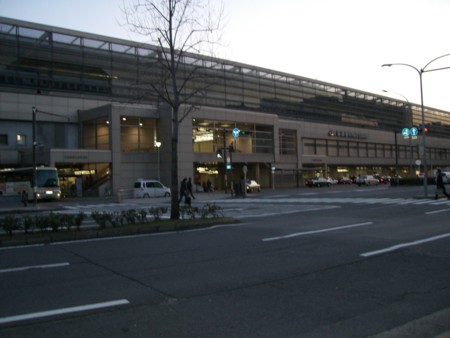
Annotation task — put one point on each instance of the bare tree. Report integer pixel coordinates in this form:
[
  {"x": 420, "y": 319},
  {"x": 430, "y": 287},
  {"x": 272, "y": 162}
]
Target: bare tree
[{"x": 181, "y": 29}]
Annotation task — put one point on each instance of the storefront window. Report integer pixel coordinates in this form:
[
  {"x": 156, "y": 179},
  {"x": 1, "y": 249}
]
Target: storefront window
[{"x": 203, "y": 136}]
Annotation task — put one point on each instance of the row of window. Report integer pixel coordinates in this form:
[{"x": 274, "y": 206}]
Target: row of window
[
  {"x": 341, "y": 148},
  {"x": 21, "y": 140},
  {"x": 137, "y": 134},
  {"x": 211, "y": 136},
  {"x": 76, "y": 63}
]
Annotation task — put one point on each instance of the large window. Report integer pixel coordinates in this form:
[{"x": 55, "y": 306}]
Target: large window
[
  {"x": 288, "y": 142},
  {"x": 342, "y": 148},
  {"x": 137, "y": 134},
  {"x": 3, "y": 139},
  {"x": 208, "y": 136},
  {"x": 96, "y": 134}
]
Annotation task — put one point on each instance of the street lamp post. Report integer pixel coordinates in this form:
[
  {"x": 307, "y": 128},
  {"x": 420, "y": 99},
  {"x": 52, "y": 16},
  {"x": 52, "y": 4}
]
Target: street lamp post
[
  {"x": 158, "y": 145},
  {"x": 34, "y": 111},
  {"x": 420, "y": 72},
  {"x": 409, "y": 122}
]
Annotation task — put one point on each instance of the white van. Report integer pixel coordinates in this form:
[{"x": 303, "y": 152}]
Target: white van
[{"x": 150, "y": 188}]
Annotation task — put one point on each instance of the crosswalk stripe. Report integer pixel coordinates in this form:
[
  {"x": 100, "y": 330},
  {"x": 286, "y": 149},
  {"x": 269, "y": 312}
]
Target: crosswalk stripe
[{"x": 345, "y": 200}]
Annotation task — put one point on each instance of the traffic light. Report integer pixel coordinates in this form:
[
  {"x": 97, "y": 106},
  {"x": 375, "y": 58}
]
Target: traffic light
[{"x": 423, "y": 130}]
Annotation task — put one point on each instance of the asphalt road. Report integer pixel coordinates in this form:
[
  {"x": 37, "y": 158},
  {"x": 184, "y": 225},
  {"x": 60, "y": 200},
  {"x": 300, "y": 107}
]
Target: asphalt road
[{"x": 338, "y": 262}]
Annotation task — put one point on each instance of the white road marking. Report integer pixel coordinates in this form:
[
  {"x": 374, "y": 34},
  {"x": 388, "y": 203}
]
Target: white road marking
[
  {"x": 312, "y": 232},
  {"x": 61, "y": 311},
  {"x": 46, "y": 266},
  {"x": 436, "y": 211},
  {"x": 21, "y": 247},
  {"x": 404, "y": 245}
]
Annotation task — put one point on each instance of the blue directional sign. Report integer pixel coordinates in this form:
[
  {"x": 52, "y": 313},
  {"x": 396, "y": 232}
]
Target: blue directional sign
[
  {"x": 405, "y": 132},
  {"x": 235, "y": 132},
  {"x": 414, "y": 131}
]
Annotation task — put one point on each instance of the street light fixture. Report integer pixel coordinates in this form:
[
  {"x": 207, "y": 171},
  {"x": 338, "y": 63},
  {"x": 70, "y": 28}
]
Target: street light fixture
[
  {"x": 158, "y": 145},
  {"x": 420, "y": 72}
]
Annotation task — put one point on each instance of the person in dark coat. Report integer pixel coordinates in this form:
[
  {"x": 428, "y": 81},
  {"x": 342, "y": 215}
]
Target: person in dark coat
[
  {"x": 189, "y": 188},
  {"x": 440, "y": 185},
  {"x": 183, "y": 190},
  {"x": 24, "y": 198}
]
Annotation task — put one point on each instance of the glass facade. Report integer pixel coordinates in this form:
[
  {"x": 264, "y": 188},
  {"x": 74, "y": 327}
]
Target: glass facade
[
  {"x": 96, "y": 134},
  {"x": 332, "y": 148},
  {"x": 137, "y": 134},
  {"x": 288, "y": 141},
  {"x": 56, "y": 61},
  {"x": 208, "y": 136},
  {"x": 288, "y": 117}
]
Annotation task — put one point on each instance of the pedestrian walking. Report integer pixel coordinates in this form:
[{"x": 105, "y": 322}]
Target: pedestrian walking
[
  {"x": 183, "y": 187},
  {"x": 440, "y": 188},
  {"x": 24, "y": 198},
  {"x": 189, "y": 188},
  {"x": 209, "y": 186}
]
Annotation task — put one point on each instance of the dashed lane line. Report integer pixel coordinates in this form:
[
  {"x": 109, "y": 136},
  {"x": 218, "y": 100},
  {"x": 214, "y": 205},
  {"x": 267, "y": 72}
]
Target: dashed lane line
[
  {"x": 312, "y": 232},
  {"x": 45, "y": 266},
  {"x": 404, "y": 245},
  {"x": 67, "y": 310}
]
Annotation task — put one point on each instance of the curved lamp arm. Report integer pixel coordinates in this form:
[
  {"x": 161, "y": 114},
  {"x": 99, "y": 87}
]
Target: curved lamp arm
[{"x": 431, "y": 70}]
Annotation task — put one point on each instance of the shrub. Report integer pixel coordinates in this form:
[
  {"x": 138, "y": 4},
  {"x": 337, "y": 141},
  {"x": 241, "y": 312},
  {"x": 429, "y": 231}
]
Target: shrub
[
  {"x": 157, "y": 212},
  {"x": 28, "y": 223},
  {"x": 54, "y": 221},
  {"x": 41, "y": 222},
  {"x": 99, "y": 218},
  {"x": 79, "y": 219},
  {"x": 211, "y": 209},
  {"x": 142, "y": 216},
  {"x": 10, "y": 224},
  {"x": 67, "y": 221},
  {"x": 130, "y": 216}
]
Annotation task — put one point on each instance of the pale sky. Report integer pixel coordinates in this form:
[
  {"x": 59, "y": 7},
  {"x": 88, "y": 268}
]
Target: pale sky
[{"x": 343, "y": 42}]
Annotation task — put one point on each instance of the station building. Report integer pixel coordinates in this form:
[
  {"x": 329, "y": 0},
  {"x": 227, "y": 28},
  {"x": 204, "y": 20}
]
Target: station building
[{"x": 101, "y": 124}]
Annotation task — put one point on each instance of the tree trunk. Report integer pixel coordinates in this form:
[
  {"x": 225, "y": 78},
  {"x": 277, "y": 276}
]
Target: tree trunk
[{"x": 175, "y": 208}]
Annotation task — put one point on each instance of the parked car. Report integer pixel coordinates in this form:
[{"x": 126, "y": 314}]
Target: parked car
[
  {"x": 252, "y": 186},
  {"x": 332, "y": 180},
  {"x": 345, "y": 180},
  {"x": 383, "y": 179},
  {"x": 318, "y": 182},
  {"x": 366, "y": 180},
  {"x": 446, "y": 177},
  {"x": 150, "y": 188}
]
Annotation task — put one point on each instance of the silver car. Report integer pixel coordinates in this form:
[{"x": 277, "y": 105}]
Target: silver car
[{"x": 366, "y": 180}]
